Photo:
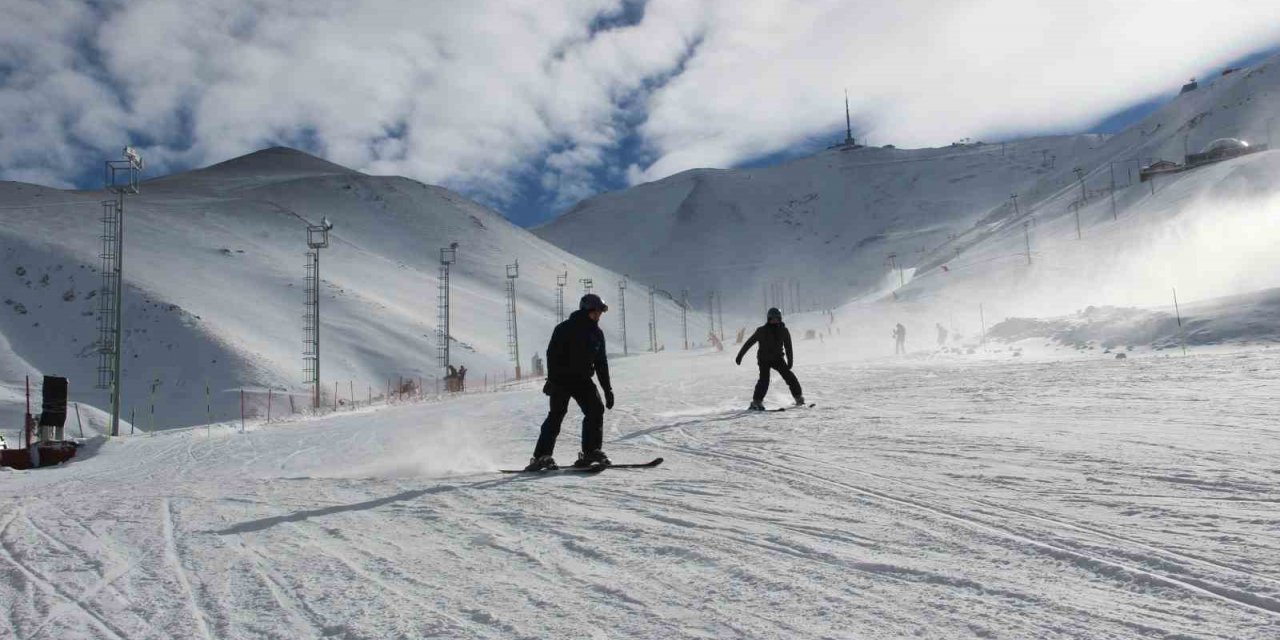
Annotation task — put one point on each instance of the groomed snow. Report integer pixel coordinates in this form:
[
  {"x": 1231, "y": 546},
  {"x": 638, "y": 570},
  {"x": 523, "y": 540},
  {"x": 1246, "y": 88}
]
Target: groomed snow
[{"x": 927, "y": 496}]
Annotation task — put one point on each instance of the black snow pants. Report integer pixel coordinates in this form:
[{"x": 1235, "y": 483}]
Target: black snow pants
[
  {"x": 762, "y": 385},
  {"x": 588, "y": 398}
]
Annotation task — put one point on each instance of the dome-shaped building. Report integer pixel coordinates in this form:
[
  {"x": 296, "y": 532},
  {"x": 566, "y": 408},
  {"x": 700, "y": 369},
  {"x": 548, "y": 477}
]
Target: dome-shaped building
[
  {"x": 1222, "y": 149},
  {"x": 1225, "y": 145}
]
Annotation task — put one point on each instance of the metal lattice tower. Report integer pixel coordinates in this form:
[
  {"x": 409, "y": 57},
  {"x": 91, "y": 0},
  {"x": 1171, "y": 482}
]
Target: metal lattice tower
[
  {"x": 586, "y": 285},
  {"x": 121, "y": 178},
  {"x": 561, "y": 280},
  {"x": 653, "y": 325},
  {"x": 622, "y": 312},
  {"x": 317, "y": 239},
  {"x": 684, "y": 317},
  {"x": 448, "y": 255},
  {"x": 513, "y": 336}
]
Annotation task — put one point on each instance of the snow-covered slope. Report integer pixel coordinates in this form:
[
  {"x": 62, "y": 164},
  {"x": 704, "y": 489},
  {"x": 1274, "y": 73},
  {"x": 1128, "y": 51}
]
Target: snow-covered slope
[
  {"x": 829, "y": 221},
  {"x": 1075, "y": 500},
  {"x": 214, "y": 264}
]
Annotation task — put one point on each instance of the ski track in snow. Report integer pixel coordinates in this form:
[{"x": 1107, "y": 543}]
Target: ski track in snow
[{"x": 922, "y": 497}]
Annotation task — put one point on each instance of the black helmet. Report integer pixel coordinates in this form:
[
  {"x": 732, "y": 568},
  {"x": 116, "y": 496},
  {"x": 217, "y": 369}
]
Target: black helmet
[
  {"x": 592, "y": 302},
  {"x": 774, "y": 313}
]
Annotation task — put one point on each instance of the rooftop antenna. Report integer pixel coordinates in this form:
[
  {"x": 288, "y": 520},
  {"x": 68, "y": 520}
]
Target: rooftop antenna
[
  {"x": 317, "y": 239},
  {"x": 448, "y": 255},
  {"x": 513, "y": 336},
  {"x": 121, "y": 178}
]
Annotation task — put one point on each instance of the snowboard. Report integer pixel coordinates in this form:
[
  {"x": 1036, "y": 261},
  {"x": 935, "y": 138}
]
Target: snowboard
[
  {"x": 592, "y": 469},
  {"x": 780, "y": 409},
  {"x": 558, "y": 471}
]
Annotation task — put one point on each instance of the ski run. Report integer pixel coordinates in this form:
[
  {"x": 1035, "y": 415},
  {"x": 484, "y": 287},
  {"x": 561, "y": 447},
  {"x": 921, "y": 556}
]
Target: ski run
[{"x": 922, "y": 497}]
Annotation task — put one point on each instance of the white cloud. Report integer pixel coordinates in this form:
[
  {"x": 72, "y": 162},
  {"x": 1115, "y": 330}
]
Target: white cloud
[{"x": 479, "y": 95}]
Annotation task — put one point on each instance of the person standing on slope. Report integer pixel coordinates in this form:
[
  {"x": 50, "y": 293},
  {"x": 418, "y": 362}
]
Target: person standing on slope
[
  {"x": 775, "y": 353},
  {"x": 899, "y": 340},
  {"x": 576, "y": 352}
]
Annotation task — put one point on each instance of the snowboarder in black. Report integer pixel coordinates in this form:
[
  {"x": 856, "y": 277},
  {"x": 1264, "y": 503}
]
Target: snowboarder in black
[
  {"x": 576, "y": 352},
  {"x": 775, "y": 353}
]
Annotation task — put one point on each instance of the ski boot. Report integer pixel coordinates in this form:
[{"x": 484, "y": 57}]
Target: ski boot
[
  {"x": 799, "y": 401},
  {"x": 596, "y": 458},
  {"x": 756, "y": 405},
  {"x": 542, "y": 463}
]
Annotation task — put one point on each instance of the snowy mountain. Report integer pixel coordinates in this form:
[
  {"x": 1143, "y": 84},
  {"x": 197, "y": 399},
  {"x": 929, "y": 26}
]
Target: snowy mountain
[
  {"x": 839, "y": 222},
  {"x": 214, "y": 266}
]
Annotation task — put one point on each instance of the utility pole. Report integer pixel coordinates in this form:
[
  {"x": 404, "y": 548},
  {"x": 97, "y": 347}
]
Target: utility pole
[
  {"x": 684, "y": 317},
  {"x": 1026, "y": 232},
  {"x": 317, "y": 239},
  {"x": 982, "y": 317},
  {"x": 1114, "y": 216},
  {"x": 711, "y": 312},
  {"x": 1076, "y": 207},
  {"x": 720, "y": 313},
  {"x": 448, "y": 255},
  {"x": 561, "y": 280},
  {"x": 1016, "y": 212},
  {"x": 121, "y": 177},
  {"x": 653, "y": 324},
  {"x": 1084, "y": 196},
  {"x": 513, "y": 335},
  {"x": 622, "y": 311}
]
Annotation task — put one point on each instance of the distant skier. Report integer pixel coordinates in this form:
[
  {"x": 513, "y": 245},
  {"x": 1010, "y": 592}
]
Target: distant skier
[
  {"x": 899, "y": 339},
  {"x": 775, "y": 353},
  {"x": 575, "y": 353},
  {"x": 942, "y": 335}
]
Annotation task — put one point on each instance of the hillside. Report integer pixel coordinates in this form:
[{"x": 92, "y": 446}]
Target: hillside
[
  {"x": 831, "y": 221},
  {"x": 214, "y": 265}
]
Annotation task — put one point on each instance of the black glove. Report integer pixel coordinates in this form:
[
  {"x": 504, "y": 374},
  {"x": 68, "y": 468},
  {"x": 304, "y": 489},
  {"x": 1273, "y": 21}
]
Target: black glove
[
  {"x": 549, "y": 388},
  {"x": 608, "y": 398}
]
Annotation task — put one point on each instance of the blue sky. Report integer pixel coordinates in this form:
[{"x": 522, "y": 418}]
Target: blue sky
[{"x": 529, "y": 107}]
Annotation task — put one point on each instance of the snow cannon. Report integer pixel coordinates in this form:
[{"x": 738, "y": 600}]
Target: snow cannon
[{"x": 42, "y": 435}]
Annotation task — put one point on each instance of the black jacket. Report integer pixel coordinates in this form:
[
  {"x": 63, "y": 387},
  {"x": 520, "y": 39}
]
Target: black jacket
[
  {"x": 576, "y": 351},
  {"x": 775, "y": 344}
]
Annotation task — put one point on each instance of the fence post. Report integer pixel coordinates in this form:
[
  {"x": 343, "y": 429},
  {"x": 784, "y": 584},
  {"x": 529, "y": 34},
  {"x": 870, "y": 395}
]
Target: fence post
[
  {"x": 78, "y": 421},
  {"x": 269, "y": 405},
  {"x": 242, "y": 410},
  {"x": 351, "y": 392}
]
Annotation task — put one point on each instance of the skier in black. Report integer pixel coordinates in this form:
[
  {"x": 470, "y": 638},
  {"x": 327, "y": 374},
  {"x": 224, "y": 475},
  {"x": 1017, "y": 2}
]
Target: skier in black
[
  {"x": 775, "y": 353},
  {"x": 575, "y": 353}
]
